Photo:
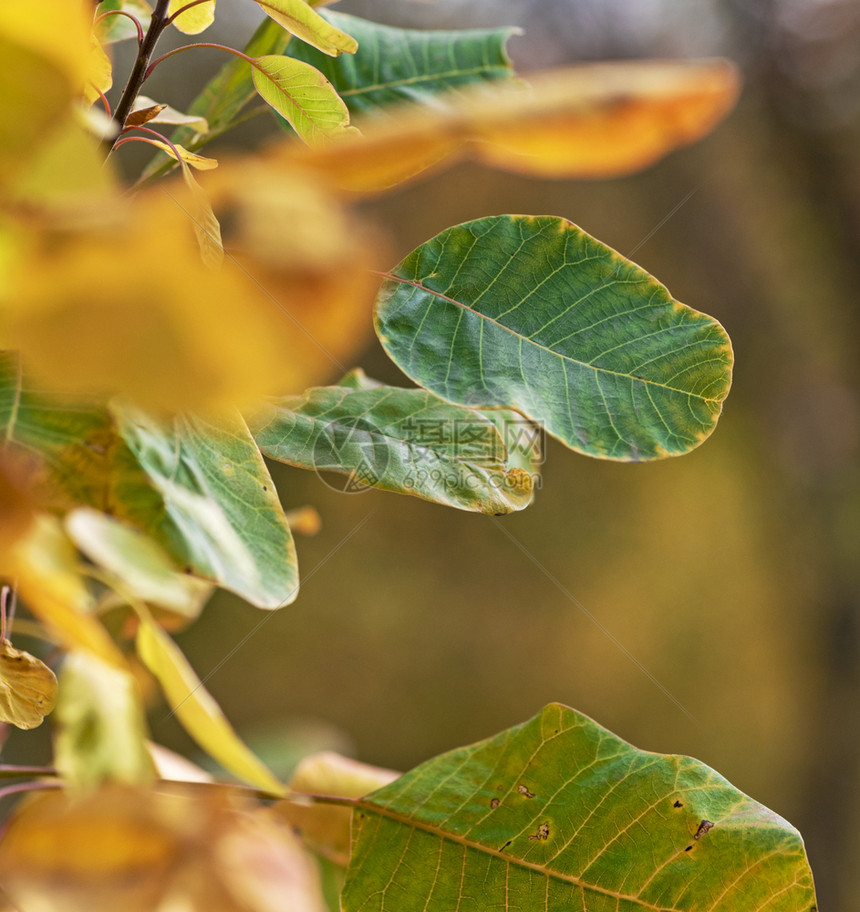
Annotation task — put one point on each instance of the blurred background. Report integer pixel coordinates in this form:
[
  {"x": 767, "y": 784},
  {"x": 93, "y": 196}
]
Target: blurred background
[{"x": 730, "y": 576}]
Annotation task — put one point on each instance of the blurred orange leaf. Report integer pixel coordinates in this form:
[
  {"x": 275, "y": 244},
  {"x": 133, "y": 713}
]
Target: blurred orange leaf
[{"x": 590, "y": 121}]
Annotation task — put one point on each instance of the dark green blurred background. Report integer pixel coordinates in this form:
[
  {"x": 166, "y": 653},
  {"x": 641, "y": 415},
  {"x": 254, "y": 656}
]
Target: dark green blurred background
[{"x": 731, "y": 575}]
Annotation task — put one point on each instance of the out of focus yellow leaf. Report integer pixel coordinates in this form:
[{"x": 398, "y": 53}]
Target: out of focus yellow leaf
[
  {"x": 324, "y": 827},
  {"x": 197, "y": 710},
  {"x": 44, "y": 564},
  {"x": 137, "y": 561},
  {"x": 136, "y": 850},
  {"x": 28, "y": 688},
  {"x": 17, "y": 506},
  {"x": 597, "y": 120},
  {"x": 44, "y": 65},
  {"x": 195, "y": 20},
  {"x": 129, "y": 308},
  {"x": 100, "y": 730},
  {"x": 100, "y": 74}
]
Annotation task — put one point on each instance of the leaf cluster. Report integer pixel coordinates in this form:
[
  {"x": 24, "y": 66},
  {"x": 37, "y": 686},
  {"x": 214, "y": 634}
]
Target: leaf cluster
[{"x": 159, "y": 342}]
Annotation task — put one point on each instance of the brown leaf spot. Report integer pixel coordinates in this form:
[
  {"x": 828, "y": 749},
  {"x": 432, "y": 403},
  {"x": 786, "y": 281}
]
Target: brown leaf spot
[
  {"x": 523, "y": 790},
  {"x": 704, "y": 827},
  {"x": 678, "y": 804},
  {"x": 494, "y": 803},
  {"x": 542, "y": 832}
]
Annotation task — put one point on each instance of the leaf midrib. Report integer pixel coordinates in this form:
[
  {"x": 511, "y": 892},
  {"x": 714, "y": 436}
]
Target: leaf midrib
[
  {"x": 422, "y": 77},
  {"x": 372, "y": 432},
  {"x": 526, "y": 339},
  {"x": 508, "y": 859}
]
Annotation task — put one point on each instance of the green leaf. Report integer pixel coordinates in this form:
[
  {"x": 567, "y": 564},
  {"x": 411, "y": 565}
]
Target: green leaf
[
  {"x": 394, "y": 66},
  {"x": 225, "y": 95},
  {"x": 199, "y": 488},
  {"x": 101, "y": 734},
  {"x": 302, "y": 96},
  {"x": 560, "y": 814},
  {"x": 531, "y": 313},
  {"x": 197, "y": 710},
  {"x": 300, "y": 20},
  {"x": 402, "y": 440},
  {"x": 213, "y": 503}
]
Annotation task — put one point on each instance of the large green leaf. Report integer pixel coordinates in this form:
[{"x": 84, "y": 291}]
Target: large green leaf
[
  {"x": 560, "y": 814},
  {"x": 394, "y": 65},
  {"x": 532, "y": 313},
  {"x": 212, "y": 504},
  {"x": 402, "y": 440}
]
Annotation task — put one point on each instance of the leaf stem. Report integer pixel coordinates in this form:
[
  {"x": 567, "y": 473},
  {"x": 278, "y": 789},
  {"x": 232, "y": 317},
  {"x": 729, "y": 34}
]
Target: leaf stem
[
  {"x": 158, "y": 23},
  {"x": 186, "y": 47},
  {"x": 337, "y": 800},
  {"x": 128, "y": 15}
]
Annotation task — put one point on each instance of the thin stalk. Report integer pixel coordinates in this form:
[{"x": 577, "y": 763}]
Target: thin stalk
[
  {"x": 158, "y": 23},
  {"x": 187, "y": 47}
]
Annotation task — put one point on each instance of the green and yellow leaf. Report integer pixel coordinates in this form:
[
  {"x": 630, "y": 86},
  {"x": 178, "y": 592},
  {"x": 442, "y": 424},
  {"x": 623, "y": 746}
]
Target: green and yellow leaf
[
  {"x": 302, "y": 96},
  {"x": 299, "y": 19},
  {"x": 558, "y": 813}
]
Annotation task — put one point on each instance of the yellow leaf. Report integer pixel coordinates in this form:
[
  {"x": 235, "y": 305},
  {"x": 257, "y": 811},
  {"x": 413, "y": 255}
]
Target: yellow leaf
[
  {"x": 45, "y": 566},
  {"x": 44, "y": 65},
  {"x": 297, "y": 17},
  {"x": 197, "y": 710},
  {"x": 28, "y": 688},
  {"x": 128, "y": 307},
  {"x": 200, "y": 162},
  {"x": 100, "y": 75},
  {"x": 591, "y": 121},
  {"x": 195, "y": 20},
  {"x": 17, "y": 506},
  {"x": 99, "y": 724},
  {"x": 324, "y": 827}
]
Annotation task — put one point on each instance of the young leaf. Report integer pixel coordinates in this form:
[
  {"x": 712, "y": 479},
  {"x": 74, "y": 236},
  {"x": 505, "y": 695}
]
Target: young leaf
[
  {"x": 401, "y": 440},
  {"x": 168, "y": 115},
  {"x": 101, "y": 733},
  {"x": 120, "y": 28},
  {"x": 200, "y": 162},
  {"x": 212, "y": 503},
  {"x": 559, "y": 813},
  {"x": 196, "y": 709},
  {"x": 28, "y": 688},
  {"x": 395, "y": 66},
  {"x": 194, "y": 20},
  {"x": 225, "y": 95},
  {"x": 531, "y": 313},
  {"x": 302, "y": 96},
  {"x": 297, "y": 17}
]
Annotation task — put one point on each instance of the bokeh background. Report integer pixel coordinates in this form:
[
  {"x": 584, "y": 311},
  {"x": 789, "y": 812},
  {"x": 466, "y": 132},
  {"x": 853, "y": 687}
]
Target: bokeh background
[{"x": 707, "y": 605}]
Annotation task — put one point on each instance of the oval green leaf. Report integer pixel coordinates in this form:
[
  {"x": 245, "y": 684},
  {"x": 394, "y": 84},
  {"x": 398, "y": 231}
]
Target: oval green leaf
[
  {"x": 407, "y": 441},
  {"x": 560, "y": 814},
  {"x": 302, "y": 96},
  {"x": 532, "y": 313},
  {"x": 395, "y": 66},
  {"x": 197, "y": 710}
]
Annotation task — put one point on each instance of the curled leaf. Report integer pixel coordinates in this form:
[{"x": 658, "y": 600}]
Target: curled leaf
[{"x": 28, "y": 688}]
